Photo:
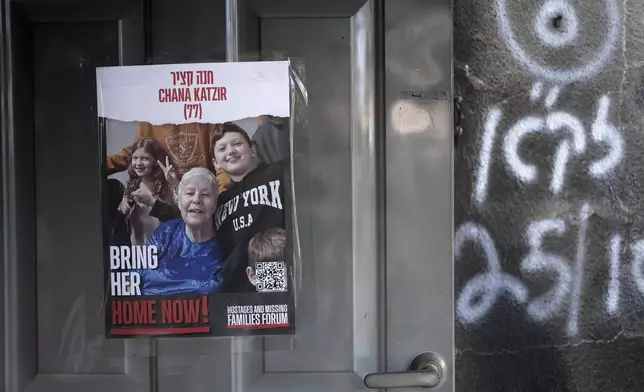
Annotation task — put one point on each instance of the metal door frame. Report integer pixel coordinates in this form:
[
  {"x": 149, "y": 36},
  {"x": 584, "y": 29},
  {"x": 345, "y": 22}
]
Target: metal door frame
[
  {"x": 384, "y": 139},
  {"x": 16, "y": 374},
  {"x": 367, "y": 134},
  {"x": 19, "y": 307}
]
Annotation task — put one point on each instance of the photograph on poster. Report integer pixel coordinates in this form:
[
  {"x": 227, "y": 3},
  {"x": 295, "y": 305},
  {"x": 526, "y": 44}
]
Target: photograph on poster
[{"x": 196, "y": 199}]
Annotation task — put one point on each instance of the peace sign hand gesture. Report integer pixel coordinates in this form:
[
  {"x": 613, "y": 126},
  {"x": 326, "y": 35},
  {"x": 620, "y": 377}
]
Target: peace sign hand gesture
[{"x": 169, "y": 172}]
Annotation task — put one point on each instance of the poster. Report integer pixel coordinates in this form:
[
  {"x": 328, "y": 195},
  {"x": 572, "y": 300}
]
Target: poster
[{"x": 196, "y": 199}]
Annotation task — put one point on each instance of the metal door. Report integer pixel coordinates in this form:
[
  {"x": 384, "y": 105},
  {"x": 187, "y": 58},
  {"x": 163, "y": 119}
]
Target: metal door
[{"x": 373, "y": 172}]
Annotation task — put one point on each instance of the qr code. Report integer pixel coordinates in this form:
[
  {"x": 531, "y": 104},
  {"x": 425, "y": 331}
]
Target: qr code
[{"x": 271, "y": 276}]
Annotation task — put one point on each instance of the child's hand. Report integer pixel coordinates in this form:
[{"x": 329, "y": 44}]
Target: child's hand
[
  {"x": 169, "y": 172},
  {"x": 125, "y": 207},
  {"x": 143, "y": 196}
]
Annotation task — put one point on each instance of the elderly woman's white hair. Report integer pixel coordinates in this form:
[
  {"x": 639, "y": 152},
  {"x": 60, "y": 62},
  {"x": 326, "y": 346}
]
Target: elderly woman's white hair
[{"x": 199, "y": 172}]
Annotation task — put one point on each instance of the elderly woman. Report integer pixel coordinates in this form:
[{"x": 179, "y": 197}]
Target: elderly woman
[{"x": 189, "y": 257}]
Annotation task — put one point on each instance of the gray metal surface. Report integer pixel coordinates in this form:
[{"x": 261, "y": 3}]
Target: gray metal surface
[
  {"x": 70, "y": 323},
  {"x": 53, "y": 311},
  {"x": 419, "y": 149},
  {"x": 19, "y": 301},
  {"x": 352, "y": 318},
  {"x": 187, "y": 32},
  {"x": 368, "y": 320},
  {"x": 69, "y": 251},
  {"x": 336, "y": 341},
  {"x": 242, "y": 31},
  {"x": 304, "y": 9},
  {"x": 322, "y": 176},
  {"x": 232, "y": 29}
]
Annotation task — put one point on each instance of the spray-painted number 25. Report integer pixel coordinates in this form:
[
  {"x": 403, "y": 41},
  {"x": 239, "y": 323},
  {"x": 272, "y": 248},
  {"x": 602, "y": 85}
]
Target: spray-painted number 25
[{"x": 242, "y": 222}]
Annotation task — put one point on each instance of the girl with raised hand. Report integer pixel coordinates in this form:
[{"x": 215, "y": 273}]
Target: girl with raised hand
[{"x": 147, "y": 182}]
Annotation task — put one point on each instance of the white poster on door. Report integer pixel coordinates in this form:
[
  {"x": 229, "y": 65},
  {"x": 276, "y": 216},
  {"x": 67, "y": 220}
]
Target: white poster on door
[{"x": 195, "y": 204}]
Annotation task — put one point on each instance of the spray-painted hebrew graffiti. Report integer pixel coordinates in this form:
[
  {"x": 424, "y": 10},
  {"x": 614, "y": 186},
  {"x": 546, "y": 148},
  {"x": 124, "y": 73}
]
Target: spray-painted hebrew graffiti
[
  {"x": 482, "y": 292},
  {"x": 489, "y": 285},
  {"x": 588, "y": 136},
  {"x": 552, "y": 36},
  {"x": 573, "y": 142},
  {"x": 601, "y": 130}
]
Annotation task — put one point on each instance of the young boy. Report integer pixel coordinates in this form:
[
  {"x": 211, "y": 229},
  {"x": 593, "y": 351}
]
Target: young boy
[
  {"x": 266, "y": 246},
  {"x": 253, "y": 202}
]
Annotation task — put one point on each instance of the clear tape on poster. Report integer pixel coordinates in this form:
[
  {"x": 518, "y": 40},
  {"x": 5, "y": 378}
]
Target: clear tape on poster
[
  {"x": 245, "y": 347},
  {"x": 298, "y": 103},
  {"x": 160, "y": 255}
]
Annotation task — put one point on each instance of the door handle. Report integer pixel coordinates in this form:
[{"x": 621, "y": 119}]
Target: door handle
[{"x": 426, "y": 371}]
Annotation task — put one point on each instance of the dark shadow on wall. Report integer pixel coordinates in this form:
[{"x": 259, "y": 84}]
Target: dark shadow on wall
[
  {"x": 607, "y": 365},
  {"x": 524, "y": 370}
]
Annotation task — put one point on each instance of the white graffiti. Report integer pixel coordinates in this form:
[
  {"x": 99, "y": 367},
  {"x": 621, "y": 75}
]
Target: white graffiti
[
  {"x": 612, "y": 297},
  {"x": 565, "y": 293},
  {"x": 538, "y": 262},
  {"x": 552, "y": 96},
  {"x": 554, "y": 122},
  {"x": 535, "y": 93},
  {"x": 522, "y": 128},
  {"x": 558, "y": 121},
  {"x": 604, "y": 132},
  {"x": 558, "y": 11},
  {"x": 636, "y": 268},
  {"x": 481, "y": 293},
  {"x": 595, "y": 139},
  {"x": 573, "y": 319},
  {"x": 491, "y": 124},
  {"x": 562, "y": 13}
]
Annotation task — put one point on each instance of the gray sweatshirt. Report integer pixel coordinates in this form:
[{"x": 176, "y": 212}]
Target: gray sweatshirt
[{"x": 271, "y": 139}]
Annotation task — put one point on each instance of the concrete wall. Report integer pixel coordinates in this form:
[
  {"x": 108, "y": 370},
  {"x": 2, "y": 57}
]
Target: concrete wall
[{"x": 548, "y": 169}]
